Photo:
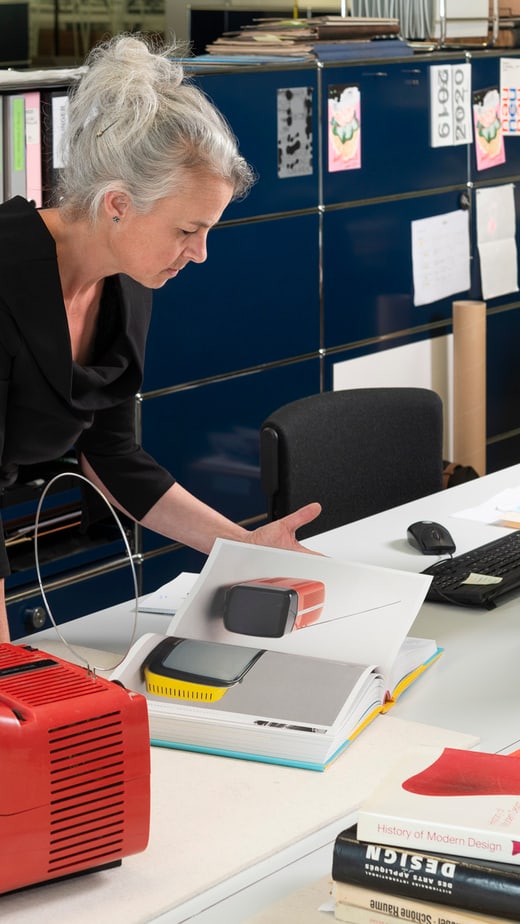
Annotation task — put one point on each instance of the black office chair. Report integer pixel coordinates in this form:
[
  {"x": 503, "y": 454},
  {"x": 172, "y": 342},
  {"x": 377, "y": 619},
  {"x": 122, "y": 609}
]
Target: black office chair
[{"x": 356, "y": 451}]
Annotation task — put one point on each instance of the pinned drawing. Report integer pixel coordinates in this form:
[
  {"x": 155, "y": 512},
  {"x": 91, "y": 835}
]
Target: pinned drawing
[
  {"x": 344, "y": 115},
  {"x": 489, "y": 139},
  {"x": 294, "y": 123}
]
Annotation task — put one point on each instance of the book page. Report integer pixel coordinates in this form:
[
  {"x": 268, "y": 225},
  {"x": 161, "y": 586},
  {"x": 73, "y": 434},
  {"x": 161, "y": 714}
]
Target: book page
[
  {"x": 413, "y": 651},
  {"x": 302, "y": 711},
  {"x": 367, "y": 611}
]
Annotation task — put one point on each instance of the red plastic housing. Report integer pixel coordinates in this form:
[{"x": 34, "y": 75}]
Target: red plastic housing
[
  {"x": 74, "y": 769},
  {"x": 311, "y": 597}
]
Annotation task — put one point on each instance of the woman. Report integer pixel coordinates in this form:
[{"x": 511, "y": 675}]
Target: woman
[{"x": 151, "y": 166}]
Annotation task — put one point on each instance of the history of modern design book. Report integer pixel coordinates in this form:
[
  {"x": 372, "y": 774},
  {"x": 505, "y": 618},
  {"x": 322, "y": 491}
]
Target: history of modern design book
[{"x": 451, "y": 800}]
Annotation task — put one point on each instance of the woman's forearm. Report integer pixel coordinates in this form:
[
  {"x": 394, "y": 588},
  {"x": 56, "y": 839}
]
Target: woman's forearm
[
  {"x": 181, "y": 516},
  {"x": 178, "y": 515}
]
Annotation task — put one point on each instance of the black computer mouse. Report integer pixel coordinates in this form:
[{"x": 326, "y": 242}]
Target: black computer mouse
[{"x": 430, "y": 538}]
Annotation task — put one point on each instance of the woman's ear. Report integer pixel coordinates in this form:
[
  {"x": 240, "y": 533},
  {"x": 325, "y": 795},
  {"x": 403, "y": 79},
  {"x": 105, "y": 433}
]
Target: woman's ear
[{"x": 116, "y": 204}]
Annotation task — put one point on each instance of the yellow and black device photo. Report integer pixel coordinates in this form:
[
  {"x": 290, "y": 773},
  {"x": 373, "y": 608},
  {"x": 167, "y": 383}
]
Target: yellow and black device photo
[{"x": 196, "y": 670}]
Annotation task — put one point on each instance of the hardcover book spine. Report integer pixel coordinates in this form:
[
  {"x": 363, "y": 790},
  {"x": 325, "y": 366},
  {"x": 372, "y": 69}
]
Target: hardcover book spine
[
  {"x": 14, "y": 146},
  {"x": 350, "y": 914},
  {"x": 33, "y": 153},
  {"x": 360, "y": 906},
  {"x": 477, "y": 842},
  {"x": 451, "y": 881},
  {"x": 54, "y": 116}
]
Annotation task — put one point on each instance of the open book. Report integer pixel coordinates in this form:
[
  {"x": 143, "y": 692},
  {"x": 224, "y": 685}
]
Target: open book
[{"x": 279, "y": 656}]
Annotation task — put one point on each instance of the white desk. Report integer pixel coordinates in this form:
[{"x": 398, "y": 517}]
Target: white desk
[
  {"x": 477, "y": 684},
  {"x": 229, "y": 837}
]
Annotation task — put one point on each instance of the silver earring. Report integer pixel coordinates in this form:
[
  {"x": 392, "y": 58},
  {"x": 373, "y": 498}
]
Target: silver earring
[{"x": 116, "y": 219}]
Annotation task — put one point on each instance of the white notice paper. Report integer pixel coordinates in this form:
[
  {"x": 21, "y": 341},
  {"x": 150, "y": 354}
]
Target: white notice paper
[
  {"x": 440, "y": 256},
  {"x": 450, "y": 105},
  {"x": 496, "y": 241},
  {"x": 510, "y": 96}
]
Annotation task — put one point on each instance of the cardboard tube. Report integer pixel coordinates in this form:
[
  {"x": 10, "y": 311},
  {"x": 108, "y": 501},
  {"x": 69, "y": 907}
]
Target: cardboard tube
[{"x": 469, "y": 384}]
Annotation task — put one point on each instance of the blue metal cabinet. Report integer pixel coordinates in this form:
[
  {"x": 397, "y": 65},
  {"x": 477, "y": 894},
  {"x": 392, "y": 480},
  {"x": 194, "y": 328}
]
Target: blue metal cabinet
[
  {"x": 255, "y": 301},
  {"x": 250, "y": 101},
  {"x": 396, "y": 156},
  {"x": 503, "y": 452},
  {"x": 503, "y": 385},
  {"x": 77, "y": 596},
  {"x": 167, "y": 564},
  {"x": 367, "y": 269},
  {"x": 485, "y": 74},
  {"x": 208, "y": 436}
]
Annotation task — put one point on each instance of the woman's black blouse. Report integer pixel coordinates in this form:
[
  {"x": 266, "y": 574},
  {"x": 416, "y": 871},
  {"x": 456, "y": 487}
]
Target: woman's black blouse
[{"x": 49, "y": 404}]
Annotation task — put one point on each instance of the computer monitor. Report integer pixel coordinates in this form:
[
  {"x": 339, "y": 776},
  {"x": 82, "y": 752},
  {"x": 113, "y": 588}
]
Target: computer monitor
[{"x": 14, "y": 34}]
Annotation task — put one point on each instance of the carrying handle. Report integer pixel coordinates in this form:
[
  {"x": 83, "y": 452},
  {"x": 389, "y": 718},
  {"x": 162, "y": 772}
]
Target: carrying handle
[{"x": 90, "y": 667}]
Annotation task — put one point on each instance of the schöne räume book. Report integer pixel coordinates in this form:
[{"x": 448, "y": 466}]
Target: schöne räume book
[
  {"x": 448, "y": 799},
  {"x": 356, "y": 905},
  {"x": 298, "y": 696},
  {"x": 481, "y": 886}
]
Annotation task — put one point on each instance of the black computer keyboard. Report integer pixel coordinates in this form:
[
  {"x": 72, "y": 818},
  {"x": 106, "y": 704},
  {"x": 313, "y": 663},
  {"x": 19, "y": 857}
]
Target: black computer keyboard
[{"x": 462, "y": 579}]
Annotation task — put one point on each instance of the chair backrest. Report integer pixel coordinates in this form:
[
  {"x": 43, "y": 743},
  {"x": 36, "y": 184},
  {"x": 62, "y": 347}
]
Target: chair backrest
[{"x": 356, "y": 451}]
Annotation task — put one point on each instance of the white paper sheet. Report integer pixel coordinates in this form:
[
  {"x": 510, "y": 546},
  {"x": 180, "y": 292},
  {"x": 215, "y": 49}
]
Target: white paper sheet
[
  {"x": 450, "y": 105},
  {"x": 167, "y": 598},
  {"x": 502, "y": 509},
  {"x": 510, "y": 95},
  {"x": 496, "y": 240},
  {"x": 441, "y": 256}
]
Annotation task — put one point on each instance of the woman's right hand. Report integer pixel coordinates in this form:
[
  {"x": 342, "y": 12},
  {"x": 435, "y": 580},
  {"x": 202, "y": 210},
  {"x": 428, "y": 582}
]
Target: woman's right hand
[{"x": 281, "y": 534}]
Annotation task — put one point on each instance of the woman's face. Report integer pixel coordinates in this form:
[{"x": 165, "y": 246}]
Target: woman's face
[{"x": 155, "y": 247}]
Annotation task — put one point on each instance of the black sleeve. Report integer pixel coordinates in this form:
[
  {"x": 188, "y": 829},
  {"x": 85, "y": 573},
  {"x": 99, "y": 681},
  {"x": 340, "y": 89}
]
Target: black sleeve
[
  {"x": 5, "y": 569},
  {"x": 131, "y": 475},
  {"x": 5, "y": 372}
]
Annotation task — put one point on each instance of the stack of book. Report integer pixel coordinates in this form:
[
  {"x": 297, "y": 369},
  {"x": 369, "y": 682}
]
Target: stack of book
[
  {"x": 340, "y": 36},
  {"x": 437, "y": 843}
]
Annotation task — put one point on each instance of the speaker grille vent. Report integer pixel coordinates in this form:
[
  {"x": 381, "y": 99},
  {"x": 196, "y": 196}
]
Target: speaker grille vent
[
  {"x": 60, "y": 683},
  {"x": 50, "y": 682},
  {"x": 87, "y": 793}
]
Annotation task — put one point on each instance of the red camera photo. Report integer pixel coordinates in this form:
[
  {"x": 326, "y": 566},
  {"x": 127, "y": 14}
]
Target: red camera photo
[{"x": 272, "y": 607}]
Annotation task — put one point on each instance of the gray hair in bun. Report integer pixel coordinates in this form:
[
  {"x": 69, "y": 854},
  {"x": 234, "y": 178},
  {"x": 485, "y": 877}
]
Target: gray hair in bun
[{"x": 136, "y": 124}]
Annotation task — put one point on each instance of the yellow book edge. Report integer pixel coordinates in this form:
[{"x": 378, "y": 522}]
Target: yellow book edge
[
  {"x": 392, "y": 698},
  {"x": 408, "y": 679}
]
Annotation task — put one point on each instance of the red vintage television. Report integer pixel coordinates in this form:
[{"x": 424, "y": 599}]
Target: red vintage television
[{"x": 74, "y": 769}]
